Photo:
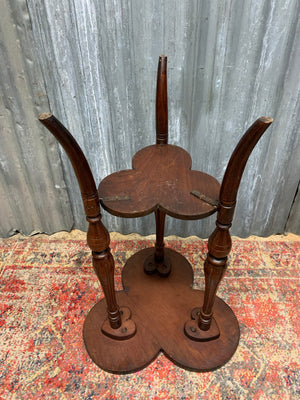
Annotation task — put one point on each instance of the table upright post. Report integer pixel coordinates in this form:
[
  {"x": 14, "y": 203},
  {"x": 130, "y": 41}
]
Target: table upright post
[
  {"x": 161, "y": 139},
  {"x": 98, "y": 237},
  {"x": 162, "y": 102},
  {"x": 159, "y": 263},
  {"x": 219, "y": 243},
  {"x": 160, "y": 217}
]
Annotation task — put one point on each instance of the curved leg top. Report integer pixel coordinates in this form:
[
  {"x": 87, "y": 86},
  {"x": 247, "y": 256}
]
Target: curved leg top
[
  {"x": 97, "y": 237},
  {"x": 219, "y": 243}
]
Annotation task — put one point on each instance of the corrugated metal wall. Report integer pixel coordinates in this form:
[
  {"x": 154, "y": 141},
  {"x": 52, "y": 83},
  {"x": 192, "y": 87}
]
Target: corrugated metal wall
[
  {"x": 93, "y": 64},
  {"x": 33, "y": 196}
]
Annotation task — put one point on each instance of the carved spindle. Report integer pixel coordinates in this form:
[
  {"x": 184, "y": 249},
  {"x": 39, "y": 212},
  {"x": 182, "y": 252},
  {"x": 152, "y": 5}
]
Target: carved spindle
[
  {"x": 163, "y": 266},
  {"x": 162, "y": 262},
  {"x": 160, "y": 217},
  {"x": 219, "y": 243},
  {"x": 97, "y": 237},
  {"x": 162, "y": 102},
  {"x": 159, "y": 263},
  {"x": 161, "y": 138}
]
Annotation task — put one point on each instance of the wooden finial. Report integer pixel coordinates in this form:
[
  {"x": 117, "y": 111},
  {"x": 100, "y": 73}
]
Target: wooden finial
[{"x": 162, "y": 102}]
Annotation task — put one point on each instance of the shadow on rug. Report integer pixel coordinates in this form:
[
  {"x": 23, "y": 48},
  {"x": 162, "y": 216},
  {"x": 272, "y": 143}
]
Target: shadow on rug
[{"x": 48, "y": 286}]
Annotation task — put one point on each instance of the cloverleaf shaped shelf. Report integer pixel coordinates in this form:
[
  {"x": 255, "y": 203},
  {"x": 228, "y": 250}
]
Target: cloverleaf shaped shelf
[{"x": 161, "y": 178}]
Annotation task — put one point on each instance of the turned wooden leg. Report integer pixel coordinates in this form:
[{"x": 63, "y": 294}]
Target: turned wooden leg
[
  {"x": 219, "y": 246},
  {"x": 104, "y": 267},
  {"x": 214, "y": 270},
  {"x": 158, "y": 262},
  {"x": 118, "y": 324},
  {"x": 160, "y": 217},
  {"x": 202, "y": 325}
]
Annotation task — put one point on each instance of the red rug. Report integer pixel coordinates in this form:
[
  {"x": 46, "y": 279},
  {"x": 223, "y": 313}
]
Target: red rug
[{"x": 48, "y": 286}]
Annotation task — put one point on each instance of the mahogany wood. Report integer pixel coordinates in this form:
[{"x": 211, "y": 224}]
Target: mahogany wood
[
  {"x": 161, "y": 178},
  {"x": 160, "y": 217},
  {"x": 160, "y": 313},
  {"x": 161, "y": 181},
  {"x": 158, "y": 262},
  {"x": 219, "y": 243},
  {"x": 160, "y": 307},
  {"x": 162, "y": 102},
  {"x": 97, "y": 236}
]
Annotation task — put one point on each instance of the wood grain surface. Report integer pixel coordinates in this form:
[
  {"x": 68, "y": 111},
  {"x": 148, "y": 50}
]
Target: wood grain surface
[{"x": 161, "y": 178}]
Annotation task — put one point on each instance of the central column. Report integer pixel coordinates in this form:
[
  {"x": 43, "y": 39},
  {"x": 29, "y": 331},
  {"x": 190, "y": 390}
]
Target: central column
[{"x": 159, "y": 263}]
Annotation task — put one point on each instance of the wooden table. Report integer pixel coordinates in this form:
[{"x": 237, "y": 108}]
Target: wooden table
[
  {"x": 158, "y": 309},
  {"x": 158, "y": 281}
]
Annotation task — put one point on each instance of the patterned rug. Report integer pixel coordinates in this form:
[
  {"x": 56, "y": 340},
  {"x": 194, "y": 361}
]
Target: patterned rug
[{"x": 48, "y": 285}]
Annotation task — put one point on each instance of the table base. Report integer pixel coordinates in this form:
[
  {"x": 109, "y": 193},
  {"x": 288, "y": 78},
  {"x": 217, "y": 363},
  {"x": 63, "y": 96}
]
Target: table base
[{"x": 160, "y": 307}]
